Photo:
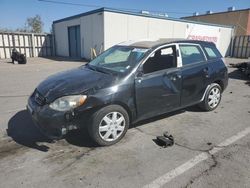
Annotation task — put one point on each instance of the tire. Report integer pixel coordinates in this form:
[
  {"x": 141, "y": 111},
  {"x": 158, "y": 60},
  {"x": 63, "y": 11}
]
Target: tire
[
  {"x": 212, "y": 98},
  {"x": 108, "y": 125}
]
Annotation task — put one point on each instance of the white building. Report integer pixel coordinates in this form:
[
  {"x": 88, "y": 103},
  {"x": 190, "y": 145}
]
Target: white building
[{"x": 103, "y": 28}]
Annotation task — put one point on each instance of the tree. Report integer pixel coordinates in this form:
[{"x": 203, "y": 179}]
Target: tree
[
  {"x": 34, "y": 24},
  {"x": 5, "y": 30},
  {"x": 22, "y": 29}
]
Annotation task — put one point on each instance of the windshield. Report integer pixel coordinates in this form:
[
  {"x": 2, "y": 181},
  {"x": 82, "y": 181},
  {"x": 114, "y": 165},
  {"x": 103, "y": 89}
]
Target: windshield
[{"x": 119, "y": 58}]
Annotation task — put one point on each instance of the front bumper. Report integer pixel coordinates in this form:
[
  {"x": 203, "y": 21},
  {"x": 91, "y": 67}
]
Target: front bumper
[{"x": 53, "y": 124}]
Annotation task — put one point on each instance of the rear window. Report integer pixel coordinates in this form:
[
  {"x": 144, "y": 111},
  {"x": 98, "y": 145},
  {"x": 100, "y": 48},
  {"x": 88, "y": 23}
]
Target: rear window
[
  {"x": 212, "y": 52},
  {"x": 191, "y": 54}
]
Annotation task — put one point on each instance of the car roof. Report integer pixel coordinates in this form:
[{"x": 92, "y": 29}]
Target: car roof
[{"x": 153, "y": 43}]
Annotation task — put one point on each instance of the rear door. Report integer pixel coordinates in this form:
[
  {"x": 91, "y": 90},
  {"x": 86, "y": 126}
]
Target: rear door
[{"x": 195, "y": 73}]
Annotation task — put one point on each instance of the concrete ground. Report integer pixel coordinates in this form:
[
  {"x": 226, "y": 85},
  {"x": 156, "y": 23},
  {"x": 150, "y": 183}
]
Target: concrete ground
[{"x": 211, "y": 149}]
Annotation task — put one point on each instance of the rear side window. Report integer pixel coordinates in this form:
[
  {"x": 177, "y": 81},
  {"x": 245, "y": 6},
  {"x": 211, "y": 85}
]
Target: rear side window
[
  {"x": 212, "y": 52},
  {"x": 191, "y": 54}
]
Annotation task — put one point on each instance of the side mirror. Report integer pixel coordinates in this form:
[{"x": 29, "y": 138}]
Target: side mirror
[{"x": 139, "y": 73}]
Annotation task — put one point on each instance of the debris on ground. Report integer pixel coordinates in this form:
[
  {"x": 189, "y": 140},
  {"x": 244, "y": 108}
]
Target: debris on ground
[
  {"x": 243, "y": 67},
  {"x": 164, "y": 141},
  {"x": 18, "y": 57}
]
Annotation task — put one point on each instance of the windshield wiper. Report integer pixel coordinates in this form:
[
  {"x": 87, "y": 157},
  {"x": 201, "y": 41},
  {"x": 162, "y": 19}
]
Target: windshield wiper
[
  {"x": 102, "y": 70},
  {"x": 98, "y": 69},
  {"x": 90, "y": 67}
]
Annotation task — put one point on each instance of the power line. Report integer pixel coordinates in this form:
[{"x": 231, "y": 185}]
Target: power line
[
  {"x": 98, "y": 6},
  {"x": 68, "y": 3}
]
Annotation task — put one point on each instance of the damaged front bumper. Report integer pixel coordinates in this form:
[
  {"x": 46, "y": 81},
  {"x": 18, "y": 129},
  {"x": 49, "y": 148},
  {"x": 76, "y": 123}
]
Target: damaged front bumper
[{"x": 53, "y": 124}]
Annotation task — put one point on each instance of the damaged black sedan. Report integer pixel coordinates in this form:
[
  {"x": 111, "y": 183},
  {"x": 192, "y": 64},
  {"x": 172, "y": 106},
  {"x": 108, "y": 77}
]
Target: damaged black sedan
[{"x": 129, "y": 82}]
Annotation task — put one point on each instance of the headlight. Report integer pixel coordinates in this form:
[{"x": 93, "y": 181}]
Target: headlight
[{"x": 68, "y": 102}]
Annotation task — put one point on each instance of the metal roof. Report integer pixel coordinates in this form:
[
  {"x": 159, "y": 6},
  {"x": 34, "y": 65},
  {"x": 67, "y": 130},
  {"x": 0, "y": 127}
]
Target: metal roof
[
  {"x": 216, "y": 13},
  {"x": 135, "y": 14}
]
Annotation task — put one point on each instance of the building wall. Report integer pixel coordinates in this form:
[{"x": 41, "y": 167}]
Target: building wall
[
  {"x": 239, "y": 19},
  {"x": 122, "y": 27},
  {"x": 92, "y": 34},
  {"x": 91, "y": 31},
  {"x": 61, "y": 36},
  {"x": 248, "y": 24}
]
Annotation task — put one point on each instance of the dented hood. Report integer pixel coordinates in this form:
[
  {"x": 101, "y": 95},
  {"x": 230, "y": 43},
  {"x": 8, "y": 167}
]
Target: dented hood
[{"x": 75, "y": 81}]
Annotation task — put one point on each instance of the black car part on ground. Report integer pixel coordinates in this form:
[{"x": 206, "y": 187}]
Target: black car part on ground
[
  {"x": 164, "y": 141},
  {"x": 17, "y": 56}
]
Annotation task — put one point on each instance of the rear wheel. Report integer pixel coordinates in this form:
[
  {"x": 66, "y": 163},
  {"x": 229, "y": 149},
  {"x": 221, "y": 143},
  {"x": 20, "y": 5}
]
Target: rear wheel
[
  {"x": 212, "y": 98},
  {"x": 108, "y": 125}
]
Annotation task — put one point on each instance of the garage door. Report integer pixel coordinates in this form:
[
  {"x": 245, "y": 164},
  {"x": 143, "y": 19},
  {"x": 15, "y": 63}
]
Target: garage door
[{"x": 74, "y": 41}]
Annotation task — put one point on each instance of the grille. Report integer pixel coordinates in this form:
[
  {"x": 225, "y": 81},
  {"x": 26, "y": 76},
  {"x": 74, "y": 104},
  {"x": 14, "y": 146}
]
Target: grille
[{"x": 39, "y": 98}]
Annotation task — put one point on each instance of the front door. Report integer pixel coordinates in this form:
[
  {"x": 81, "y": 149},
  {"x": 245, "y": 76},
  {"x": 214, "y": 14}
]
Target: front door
[{"x": 158, "y": 87}]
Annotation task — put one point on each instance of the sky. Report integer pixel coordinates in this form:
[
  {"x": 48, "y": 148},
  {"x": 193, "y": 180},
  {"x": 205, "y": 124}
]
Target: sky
[{"x": 13, "y": 13}]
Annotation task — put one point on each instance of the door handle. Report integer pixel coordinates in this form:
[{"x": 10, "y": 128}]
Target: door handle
[
  {"x": 138, "y": 80},
  {"x": 205, "y": 70},
  {"x": 175, "y": 77},
  {"x": 178, "y": 76}
]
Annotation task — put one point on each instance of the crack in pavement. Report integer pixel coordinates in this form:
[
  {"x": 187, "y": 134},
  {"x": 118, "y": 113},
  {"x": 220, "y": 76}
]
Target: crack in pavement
[
  {"x": 211, "y": 167},
  {"x": 193, "y": 149},
  {"x": 141, "y": 131},
  {"x": 207, "y": 151},
  {"x": 205, "y": 172}
]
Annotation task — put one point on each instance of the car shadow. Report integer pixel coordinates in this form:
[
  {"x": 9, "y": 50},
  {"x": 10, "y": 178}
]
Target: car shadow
[
  {"x": 156, "y": 118},
  {"x": 80, "y": 138},
  {"x": 247, "y": 83},
  {"x": 237, "y": 74},
  {"x": 23, "y": 131}
]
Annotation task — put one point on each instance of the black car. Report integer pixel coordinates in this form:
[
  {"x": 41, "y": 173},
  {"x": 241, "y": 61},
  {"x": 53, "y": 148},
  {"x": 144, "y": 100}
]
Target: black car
[{"x": 129, "y": 82}]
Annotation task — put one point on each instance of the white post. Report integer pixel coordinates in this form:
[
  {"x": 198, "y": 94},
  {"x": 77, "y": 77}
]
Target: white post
[{"x": 33, "y": 45}]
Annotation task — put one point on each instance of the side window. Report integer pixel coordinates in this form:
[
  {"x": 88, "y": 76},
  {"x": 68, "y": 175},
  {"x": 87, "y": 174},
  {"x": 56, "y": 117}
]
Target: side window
[
  {"x": 191, "y": 54},
  {"x": 163, "y": 58},
  {"x": 212, "y": 52}
]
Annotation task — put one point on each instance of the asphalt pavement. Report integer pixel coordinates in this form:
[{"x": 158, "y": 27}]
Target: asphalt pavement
[{"x": 211, "y": 149}]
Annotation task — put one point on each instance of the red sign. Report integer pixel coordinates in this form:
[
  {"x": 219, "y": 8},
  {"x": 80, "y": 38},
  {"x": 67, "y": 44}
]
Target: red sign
[{"x": 203, "y": 38}]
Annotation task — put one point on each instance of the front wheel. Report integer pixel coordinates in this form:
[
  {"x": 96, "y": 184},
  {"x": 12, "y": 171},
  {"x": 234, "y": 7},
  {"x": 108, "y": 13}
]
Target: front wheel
[
  {"x": 212, "y": 98},
  {"x": 108, "y": 125}
]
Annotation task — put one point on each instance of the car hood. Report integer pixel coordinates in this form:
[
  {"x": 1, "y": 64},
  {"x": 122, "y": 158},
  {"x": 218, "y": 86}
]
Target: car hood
[{"x": 75, "y": 81}]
